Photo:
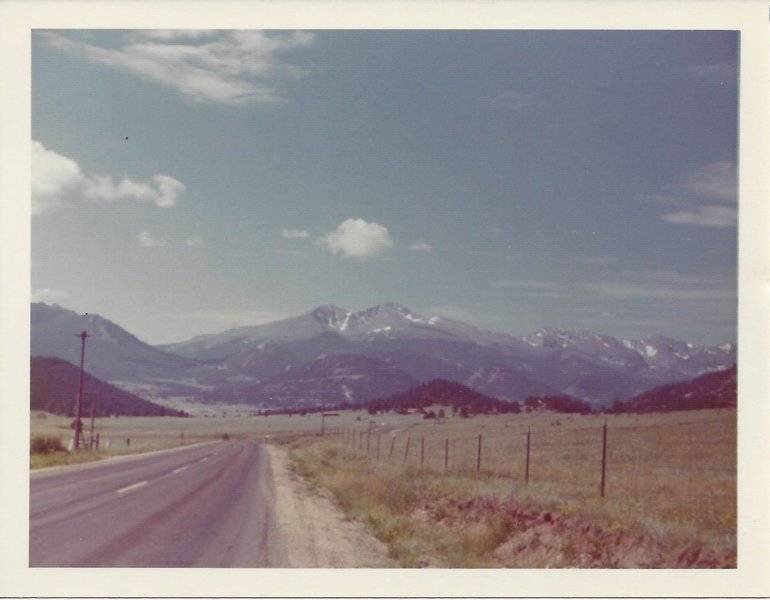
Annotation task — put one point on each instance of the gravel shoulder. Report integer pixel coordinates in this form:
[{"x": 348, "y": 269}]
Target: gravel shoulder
[{"x": 316, "y": 533}]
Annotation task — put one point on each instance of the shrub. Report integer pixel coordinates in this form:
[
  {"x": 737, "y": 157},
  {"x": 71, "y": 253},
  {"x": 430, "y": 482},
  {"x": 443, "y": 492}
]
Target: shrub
[
  {"x": 225, "y": 436},
  {"x": 44, "y": 444}
]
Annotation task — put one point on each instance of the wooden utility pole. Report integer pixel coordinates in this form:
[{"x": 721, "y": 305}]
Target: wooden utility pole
[{"x": 82, "y": 335}]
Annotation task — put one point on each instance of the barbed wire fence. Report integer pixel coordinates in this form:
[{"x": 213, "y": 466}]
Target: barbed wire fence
[{"x": 591, "y": 461}]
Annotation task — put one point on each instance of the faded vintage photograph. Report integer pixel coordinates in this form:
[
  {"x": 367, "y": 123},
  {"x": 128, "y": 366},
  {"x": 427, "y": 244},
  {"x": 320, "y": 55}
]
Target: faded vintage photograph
[{"x": 383, "y": 298}]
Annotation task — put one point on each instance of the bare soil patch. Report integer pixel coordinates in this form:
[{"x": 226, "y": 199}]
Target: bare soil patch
[{"x": 316, "y": 532}]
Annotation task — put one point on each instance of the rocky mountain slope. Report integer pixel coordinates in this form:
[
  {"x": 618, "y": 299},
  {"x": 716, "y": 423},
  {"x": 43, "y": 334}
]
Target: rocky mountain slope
[{"x": 331, "y": 352}]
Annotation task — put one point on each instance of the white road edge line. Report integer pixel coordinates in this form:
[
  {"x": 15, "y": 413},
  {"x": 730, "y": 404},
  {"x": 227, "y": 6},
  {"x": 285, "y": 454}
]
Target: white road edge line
[
  {"x": 131, "y": 487},
  {"x": 204, "y": 459},
  {"x": 180, "y": 469}
]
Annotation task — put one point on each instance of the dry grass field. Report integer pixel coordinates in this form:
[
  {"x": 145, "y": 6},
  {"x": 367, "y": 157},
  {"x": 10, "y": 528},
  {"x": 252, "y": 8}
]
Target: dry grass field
[
  {"x": 670, "y": 481},
  {"x": 670, "y": 488},
  {"x": 156, "y": 433}
]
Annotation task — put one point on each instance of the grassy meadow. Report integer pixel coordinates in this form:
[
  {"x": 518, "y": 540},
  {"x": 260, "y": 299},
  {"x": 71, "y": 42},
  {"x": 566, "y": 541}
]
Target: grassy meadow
[
  {"x": 670, "y": 488},
  {"x": 147, "y": 434}
]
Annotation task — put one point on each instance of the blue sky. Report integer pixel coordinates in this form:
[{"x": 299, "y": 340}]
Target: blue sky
[{"x": 190, "y": 181}]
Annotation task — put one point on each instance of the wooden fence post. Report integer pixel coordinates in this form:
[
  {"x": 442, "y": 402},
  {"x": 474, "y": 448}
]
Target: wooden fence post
[
  {"x": 379, "y": 436},
  {"x": 392, "y": 446},
  {"x": 406, "y": 449},
  {"x": 526, "y": 461},
  {"x": 446, "y": 455},
  {"x": 422, "y": 452},
  {"x": 604, "y": 456},
  {"x": 478, "y": 458}
]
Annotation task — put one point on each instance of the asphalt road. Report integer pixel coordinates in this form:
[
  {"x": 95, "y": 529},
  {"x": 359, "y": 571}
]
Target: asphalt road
[{"x": 205, "y": 506}]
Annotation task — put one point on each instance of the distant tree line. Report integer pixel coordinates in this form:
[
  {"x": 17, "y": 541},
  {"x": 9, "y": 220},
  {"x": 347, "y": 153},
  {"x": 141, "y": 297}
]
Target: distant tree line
[
  {"x": 712, "y": 390},
  {"x": 460, "y": 399},
  {"x": 560, "y": 403}
]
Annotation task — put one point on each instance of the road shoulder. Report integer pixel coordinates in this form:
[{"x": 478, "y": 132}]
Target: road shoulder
[
  {"x": 118, "y": 458},
  {"x": 316, "y": 533}
]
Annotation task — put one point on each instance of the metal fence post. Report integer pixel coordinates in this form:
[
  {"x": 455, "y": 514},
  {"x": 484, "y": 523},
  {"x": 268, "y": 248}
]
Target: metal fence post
[
  {"x": 526, "y": 462},
  {"x": 406, "y": 448},
  {"x": 604, "y": 456},
  {"x": 446, "y": 455},
  {"x": 422, "y": 452},
  {"x": 478, "y": 458}
]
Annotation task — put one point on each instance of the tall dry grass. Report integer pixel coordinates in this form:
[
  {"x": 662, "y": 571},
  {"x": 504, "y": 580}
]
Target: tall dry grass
[{"x": 669, "y": 476}]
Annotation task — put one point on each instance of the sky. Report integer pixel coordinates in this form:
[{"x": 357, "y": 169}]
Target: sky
[{"x": 190, "y": 181}]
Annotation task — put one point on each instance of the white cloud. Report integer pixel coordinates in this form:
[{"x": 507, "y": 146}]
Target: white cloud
[
  {"x": 194, "y": 241},
  {"x": 146, "y": 240},
  {"x": 715, "y": 184},
  {"x": 717, "y": 181},
  {"x": 421, "y": 247},
  {"x": 173, "y": 34},
  {"x": 226, "y": 67},
  {"x": 358, "y": 238},
  {"x": 163, "y": 190},
  {"x": 662, "y": 292},
  {"x": 704, "y": 216},
  {"x": 52, "y": 176},
  {"x": 294, "y": 234},
  {"x": 508, "y": 100},
  {"x": 58, "y": 180}
]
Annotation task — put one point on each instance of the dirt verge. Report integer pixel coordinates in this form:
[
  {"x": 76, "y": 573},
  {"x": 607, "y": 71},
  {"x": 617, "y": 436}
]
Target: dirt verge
[{"x": 316, "y": 532}]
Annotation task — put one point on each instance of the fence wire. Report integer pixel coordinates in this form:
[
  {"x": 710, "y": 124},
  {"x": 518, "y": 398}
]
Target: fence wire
[{"x": 630, "y": 459}]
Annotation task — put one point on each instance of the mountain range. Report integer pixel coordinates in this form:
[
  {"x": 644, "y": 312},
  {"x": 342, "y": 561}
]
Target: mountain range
[{"x": 331, "y": 354}]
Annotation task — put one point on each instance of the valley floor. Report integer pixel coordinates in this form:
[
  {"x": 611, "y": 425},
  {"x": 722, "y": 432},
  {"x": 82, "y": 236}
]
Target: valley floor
[{"x": 400, "y": 490}]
